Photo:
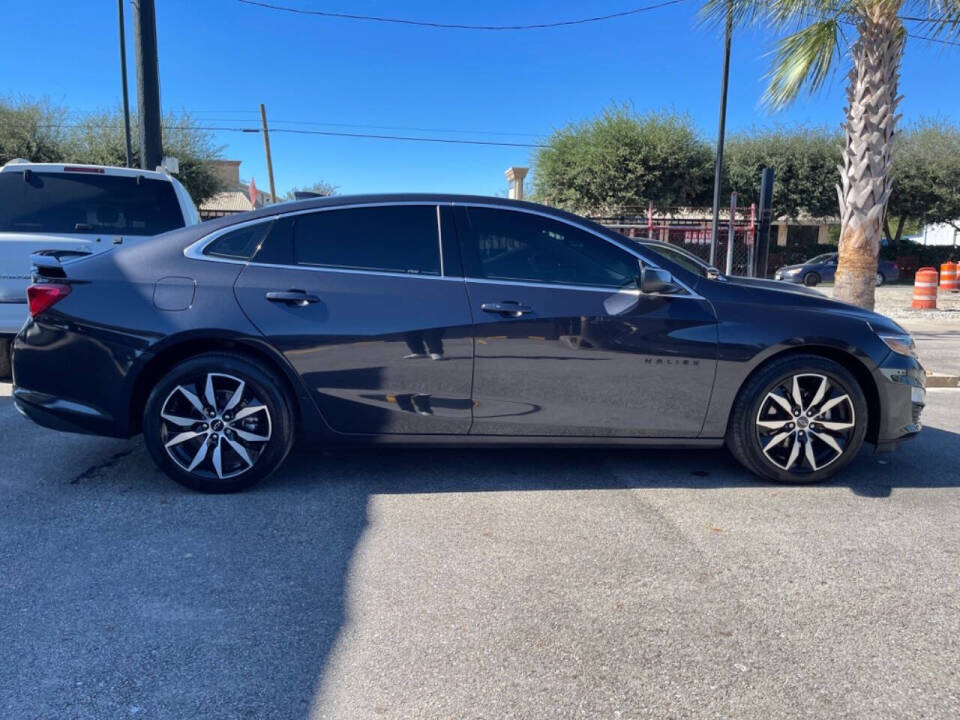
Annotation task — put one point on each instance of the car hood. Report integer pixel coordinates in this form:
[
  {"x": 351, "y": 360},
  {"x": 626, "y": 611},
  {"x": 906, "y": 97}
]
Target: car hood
[
  {"x": 775, "y": 292},
  {"x": 787, "y": 268},
  {"x": 777, "y": 285}
]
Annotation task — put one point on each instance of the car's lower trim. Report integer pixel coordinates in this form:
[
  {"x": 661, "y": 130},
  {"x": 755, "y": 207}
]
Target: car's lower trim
[{"x": 66, "y": 415}]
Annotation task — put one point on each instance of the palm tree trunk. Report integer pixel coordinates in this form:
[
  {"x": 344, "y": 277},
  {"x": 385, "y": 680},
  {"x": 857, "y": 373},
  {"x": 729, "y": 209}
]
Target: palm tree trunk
[{"x": 867, "y": 159}]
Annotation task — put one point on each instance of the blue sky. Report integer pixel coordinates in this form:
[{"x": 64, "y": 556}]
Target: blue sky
[{"x": 219, "y": 59}]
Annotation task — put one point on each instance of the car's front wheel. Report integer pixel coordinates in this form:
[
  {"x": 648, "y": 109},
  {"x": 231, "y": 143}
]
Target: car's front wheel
[
  {"x": 811, "y": 279},
  {"x": 881, "y": 279},
  {"x": 218, "y": 423},
  {"x": 799, "y": 419}
]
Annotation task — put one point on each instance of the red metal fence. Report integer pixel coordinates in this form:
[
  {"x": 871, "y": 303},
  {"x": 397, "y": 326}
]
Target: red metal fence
[{"x": 693, "y": 234}]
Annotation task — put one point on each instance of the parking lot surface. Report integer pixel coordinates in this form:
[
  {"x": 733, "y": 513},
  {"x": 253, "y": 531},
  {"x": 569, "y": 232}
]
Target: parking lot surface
[{"x": 479, "y": 584}]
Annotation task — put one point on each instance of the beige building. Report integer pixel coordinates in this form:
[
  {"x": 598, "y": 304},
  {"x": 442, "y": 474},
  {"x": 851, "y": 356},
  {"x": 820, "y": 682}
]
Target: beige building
[{"x": 235, "y": 198}]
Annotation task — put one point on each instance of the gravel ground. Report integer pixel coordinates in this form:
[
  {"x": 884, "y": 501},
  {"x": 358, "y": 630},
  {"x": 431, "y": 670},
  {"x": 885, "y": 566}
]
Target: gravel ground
[
  {"x": 543, "y": 583},
  {"x": 894, "y": 301}
]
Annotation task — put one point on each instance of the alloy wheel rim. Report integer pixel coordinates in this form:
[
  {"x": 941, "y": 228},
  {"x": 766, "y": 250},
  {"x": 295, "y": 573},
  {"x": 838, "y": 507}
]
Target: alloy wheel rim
[
  {"x": 805, "y": 423},
  {"x": 216, "y": 427}
]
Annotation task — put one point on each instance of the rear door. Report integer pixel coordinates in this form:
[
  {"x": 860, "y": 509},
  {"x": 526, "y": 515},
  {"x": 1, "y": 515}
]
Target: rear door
[
  {"x": 371, "y": 312},
  {"x": 565, "y": 342}
]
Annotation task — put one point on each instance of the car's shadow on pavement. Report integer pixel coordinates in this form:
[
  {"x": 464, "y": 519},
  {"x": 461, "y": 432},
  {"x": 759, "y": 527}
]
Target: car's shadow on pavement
[
  {"x": 390, "y": 469},
  {"x": 123, "y": 593}
]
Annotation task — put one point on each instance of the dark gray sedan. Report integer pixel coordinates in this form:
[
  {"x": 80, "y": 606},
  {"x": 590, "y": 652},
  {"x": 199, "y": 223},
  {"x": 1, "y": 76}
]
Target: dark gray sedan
[
  {"x": 823, "y": 267},
  {"x": 448, "y": 320}
]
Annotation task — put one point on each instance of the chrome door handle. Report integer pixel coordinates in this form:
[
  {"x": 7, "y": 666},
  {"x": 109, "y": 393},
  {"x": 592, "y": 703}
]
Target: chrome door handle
[
  {"x": 507, "y": 308},
  {"x": 299, "y": 298}
]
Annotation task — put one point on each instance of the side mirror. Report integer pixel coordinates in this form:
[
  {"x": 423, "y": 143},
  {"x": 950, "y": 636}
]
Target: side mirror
[{"x": 654, "y": 280}]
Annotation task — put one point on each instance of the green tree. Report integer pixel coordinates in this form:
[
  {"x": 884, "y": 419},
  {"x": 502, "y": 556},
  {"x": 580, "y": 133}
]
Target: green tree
[
  {"x": 40, "y": 132},
  {"x": 98, "y": 139},
  {"x": 926, "y": 177},
  {"x": 34, "y": 130},
  {"x": 621, "y": 159},
  {"x": 320, "y": 188},
  {"x": 804, "y": 163},
  {"x": 803, "y": 60}
]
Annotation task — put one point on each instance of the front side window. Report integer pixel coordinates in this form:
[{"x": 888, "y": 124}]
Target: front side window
[
  {"x": 688, "y": 261},
  {"x": 392, "y": 238},
  {"x": 517, "y": 246}
]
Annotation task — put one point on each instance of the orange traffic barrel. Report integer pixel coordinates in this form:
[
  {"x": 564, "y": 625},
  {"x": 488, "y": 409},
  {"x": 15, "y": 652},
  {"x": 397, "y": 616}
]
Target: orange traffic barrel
[
  {"x": 949, "y": 279},
  {"x": 925, "y": 289}
]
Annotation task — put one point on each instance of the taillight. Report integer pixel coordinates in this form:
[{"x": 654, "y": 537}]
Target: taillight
[
  {"x": 896, "y": 267},
  {"x": 43, "y": 296}
]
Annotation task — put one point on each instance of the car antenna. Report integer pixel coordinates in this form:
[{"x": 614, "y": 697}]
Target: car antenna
[{"x": 27, "y": 172}]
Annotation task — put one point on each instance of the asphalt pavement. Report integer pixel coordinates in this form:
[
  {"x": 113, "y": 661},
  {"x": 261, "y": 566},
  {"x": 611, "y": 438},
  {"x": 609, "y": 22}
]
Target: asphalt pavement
[{"x": 544, "y": 583}]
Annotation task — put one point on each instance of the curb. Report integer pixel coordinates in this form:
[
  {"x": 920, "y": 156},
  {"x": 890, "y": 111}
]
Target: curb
[{"x": 936, "y": 380}]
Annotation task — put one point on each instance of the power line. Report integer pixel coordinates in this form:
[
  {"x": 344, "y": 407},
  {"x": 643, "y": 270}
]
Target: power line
[
  {"x": 375, "y": 127},
  {"x": 453, "y": 141},
  {"x": 933, "y": 39},
  {"x": 455, "y": 26},
  {"x": 328, "y": 133}
]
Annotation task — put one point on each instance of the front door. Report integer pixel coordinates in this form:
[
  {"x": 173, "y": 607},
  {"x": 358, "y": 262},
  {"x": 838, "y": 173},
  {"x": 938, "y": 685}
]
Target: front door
[
  {"x": 359, "y": 302},
  {"x": 565, "y": 342}
]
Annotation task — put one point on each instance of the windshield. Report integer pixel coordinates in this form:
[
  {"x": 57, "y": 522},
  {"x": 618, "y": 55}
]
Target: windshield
[
  {"x": 688, "y": 261},
  {"x": 59, "y": 202},
  {"x": 819, "y": 259}
]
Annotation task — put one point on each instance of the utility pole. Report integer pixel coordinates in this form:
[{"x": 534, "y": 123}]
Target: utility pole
[
  {"x": 148, "y": 83},
  {"x": 718, "y": 170},
  {"x": 123, "y": 78},
  {"x": 266, "y": 147}
]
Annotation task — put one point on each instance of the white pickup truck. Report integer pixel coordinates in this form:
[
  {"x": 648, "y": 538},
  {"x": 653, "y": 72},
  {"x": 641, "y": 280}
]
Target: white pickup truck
[{"x": 83, "y": 208}]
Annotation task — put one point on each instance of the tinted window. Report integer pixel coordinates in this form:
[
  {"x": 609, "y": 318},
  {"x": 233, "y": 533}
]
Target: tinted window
[
  {"x": 684, "y": 259},
  {"x": 87, "y": 203},
  {"x": 238, "y": 245},
  {"x": 520, "y": 246},
  {"x": 401, "y": 239}
]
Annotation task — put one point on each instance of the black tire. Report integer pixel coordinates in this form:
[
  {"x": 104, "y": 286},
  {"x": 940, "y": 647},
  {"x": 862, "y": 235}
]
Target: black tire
[
  {"x": 264, "y": 410},
  {"x": 747, "y": 440},
  {"x": 6, "y": 358},
  {"x": 881, "y": 279},
  {"x": 811, "y": 279}
]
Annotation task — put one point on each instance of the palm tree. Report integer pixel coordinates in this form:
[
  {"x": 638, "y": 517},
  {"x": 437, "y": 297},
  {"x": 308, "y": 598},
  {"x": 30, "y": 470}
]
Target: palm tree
[{"x": 872, "y": 34}]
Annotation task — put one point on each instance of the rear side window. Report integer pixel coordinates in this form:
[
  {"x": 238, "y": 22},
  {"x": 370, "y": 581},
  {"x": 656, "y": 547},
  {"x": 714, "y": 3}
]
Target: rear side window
[
  {"x": 84, "y": 202},
  {"x": 517, "y": 246},
  {"x": 240, "y": 244},
  {"x": 399, "y": 239}
]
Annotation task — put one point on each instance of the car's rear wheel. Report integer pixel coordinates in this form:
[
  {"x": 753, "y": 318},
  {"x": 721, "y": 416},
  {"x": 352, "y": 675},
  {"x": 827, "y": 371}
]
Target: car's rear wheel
[
  {"x": 799, "y": 419},
  {"x": 811, "y": 279},
  {"x": 881, "y": 279},
  {"x": 218, "y": 423}
]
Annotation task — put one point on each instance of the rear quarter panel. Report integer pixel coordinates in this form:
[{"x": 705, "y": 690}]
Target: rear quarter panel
[{"x": 111, "y": 325}]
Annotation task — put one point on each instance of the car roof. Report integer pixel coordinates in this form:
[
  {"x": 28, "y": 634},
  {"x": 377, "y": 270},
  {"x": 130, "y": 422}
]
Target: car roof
[
  {"x": 332, "y": 201},
  {"x": 18, "y": 165}
]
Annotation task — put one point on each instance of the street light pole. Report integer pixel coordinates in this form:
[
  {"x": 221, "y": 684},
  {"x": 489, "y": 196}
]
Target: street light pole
[
  {"x": 123, "y": 77},
  {"x": 718, "y": 170}
]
